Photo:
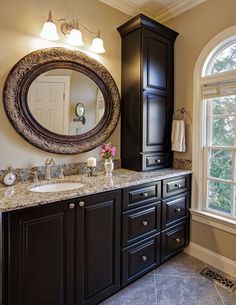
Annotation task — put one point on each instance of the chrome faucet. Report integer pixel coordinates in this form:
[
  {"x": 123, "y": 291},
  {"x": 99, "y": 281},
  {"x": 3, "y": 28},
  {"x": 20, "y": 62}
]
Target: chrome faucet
[{"x": 48, "y": 164}]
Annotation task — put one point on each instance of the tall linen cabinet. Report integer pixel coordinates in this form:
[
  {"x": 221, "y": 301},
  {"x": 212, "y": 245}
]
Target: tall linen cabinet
[{"x": 147, "y": 94}]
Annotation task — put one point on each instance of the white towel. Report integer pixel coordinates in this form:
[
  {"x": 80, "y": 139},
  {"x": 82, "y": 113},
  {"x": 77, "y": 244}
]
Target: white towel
[{"x": 178, "y": 136}]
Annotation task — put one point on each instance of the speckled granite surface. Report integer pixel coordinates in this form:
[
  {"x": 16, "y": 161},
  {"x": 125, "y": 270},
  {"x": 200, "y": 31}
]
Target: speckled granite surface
[{"x": 19, "y": 196}]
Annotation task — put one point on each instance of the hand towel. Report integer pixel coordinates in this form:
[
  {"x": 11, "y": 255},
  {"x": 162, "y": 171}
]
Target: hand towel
[{"x": 178, "y": 136}]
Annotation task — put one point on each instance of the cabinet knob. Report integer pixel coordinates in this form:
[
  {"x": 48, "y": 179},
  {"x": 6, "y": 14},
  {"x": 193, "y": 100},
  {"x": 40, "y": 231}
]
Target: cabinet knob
[
  {"x": 81, "y": 204},
  {"x": 178, "y": 209},
  {"x": 145, "y": 223},
  {"x": 158, "y": 161},
  {"x": 177, "y": 240},
  {"x": 144, "y": 258},
  {"x": 71, "y": 206},
  {"x": 178, "y": 185},
  {"x": 145, "y": 195}
]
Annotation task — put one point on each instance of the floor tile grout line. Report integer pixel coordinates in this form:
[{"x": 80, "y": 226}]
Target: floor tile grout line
[
  {"x": 173, "y": 275},
  {"x": 219, "y": 294},
  {"x": 154, "y": 278}
]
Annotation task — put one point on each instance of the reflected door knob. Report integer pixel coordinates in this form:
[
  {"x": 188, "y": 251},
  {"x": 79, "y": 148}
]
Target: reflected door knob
[
  {"x": 145, "y": 223},
  {"x": 71, "y": 206}
]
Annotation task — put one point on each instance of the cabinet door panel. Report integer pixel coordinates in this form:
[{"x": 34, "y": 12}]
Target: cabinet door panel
[
  {"x": 40, "y": 257},
  {"x": 157, "y": 61},
  {"x": 98, "y": 229},
  {"x": 154, "y": 122}
]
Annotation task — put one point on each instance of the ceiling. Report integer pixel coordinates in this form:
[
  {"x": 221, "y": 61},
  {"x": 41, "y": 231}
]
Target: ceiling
[{"x": 160, "y": 10}]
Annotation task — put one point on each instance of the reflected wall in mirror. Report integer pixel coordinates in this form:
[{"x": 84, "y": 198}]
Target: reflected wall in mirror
[
  {"x": 53, "y": 97},
  {"x": 40, "y": 97}
]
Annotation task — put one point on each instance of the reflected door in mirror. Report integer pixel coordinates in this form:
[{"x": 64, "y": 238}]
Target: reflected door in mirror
[
  {"x": 49, "y": 103},
  {"x": 53, "y": 97}
]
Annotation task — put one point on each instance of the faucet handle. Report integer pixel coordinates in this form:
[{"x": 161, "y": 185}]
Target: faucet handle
[{"x": 35, "y": 176}]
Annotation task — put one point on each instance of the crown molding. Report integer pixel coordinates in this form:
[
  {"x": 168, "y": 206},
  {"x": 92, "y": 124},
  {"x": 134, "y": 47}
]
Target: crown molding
[
  {"x": 124, "y": 6},
  {"x": 176, "y": 9}
]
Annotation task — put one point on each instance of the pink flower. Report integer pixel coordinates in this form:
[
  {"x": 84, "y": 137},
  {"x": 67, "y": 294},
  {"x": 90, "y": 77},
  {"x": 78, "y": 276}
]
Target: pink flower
[{"x": 108, "y": 151}]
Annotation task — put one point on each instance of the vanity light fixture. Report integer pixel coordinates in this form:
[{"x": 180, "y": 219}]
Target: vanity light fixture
[{"x": 71, "y": 29}]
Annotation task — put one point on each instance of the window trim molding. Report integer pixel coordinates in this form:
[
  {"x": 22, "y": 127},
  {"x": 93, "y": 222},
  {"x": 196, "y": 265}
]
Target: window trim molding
[
  {"x": 214, "y": 220},
  {"x": 198, "y": 121}
]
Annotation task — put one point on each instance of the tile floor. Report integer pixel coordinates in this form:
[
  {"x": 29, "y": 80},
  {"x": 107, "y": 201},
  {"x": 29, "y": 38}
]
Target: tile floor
[{"x": 177, "y": 282}]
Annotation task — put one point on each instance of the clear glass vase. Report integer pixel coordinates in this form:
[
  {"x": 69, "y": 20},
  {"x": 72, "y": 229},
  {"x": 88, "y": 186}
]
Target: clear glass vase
[{"x": 109, "y": 166}]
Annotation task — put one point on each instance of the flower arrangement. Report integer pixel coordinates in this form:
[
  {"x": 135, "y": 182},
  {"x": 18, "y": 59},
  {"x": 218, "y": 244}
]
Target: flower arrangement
[{"x": 108, "y": 151}]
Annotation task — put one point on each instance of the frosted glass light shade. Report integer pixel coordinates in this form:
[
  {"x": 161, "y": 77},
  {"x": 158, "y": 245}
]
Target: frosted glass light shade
[
  {"x": 49, "y": 31},
  {"x": 97, "y": 45},
  {"x": 75, "y": 38}
]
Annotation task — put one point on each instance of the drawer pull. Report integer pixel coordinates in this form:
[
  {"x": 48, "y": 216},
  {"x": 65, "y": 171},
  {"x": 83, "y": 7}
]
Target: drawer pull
[
  {"x": 177, "y": 240},
  {"x": 71, "y": 206},
  {"x": 158, "y": 161},
  {"x": 178, "y": 186},
  {"x": 145, "y": 195},
  {"x": 145, "y": 223},
  {"x": 81, "y": 204},
  {"x": 178, "y": 209},
  {"x": 144, "y": 258}
]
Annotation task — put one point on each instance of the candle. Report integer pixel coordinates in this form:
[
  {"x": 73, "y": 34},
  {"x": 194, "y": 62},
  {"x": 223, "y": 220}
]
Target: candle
[{"x": 91, "y": 162}]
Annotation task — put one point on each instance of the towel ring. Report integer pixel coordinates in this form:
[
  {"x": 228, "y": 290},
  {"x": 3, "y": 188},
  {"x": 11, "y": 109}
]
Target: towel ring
[{"x": 182, "y": 114}]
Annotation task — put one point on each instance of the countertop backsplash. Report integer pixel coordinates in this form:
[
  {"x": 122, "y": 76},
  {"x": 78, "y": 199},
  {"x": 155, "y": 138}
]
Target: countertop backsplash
[{"x": 25, "y": 174}]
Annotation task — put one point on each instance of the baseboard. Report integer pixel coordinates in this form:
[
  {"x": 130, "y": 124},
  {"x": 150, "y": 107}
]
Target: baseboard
[{"x": 209, "y": 257}]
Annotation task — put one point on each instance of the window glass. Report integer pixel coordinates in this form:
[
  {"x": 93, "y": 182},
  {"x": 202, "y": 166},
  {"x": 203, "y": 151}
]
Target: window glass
[{"x": 223, "y": 61}]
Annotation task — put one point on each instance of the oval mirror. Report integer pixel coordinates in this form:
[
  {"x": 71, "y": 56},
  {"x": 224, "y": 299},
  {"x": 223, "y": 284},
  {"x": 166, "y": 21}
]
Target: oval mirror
[{"x": 62, "y": 101}]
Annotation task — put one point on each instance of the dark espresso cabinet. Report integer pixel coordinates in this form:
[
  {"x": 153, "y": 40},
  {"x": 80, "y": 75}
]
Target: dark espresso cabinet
[
  {"x": 39, "y": 256},
  {"x": 147, "y": 94},
  {"x": 66, "y": 253},
  {"x": 97, "y": 247},
  {"x": 83, "y": 250}
]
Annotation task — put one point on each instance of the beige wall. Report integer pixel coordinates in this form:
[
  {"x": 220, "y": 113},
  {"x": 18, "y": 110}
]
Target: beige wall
[
  {"x": 20, "y": 26},
  {"x": 197, "y": 27}
]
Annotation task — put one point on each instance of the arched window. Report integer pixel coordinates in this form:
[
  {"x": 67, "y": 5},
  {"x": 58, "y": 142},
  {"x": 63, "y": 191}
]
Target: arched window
[{"x": 214, "y": 119}]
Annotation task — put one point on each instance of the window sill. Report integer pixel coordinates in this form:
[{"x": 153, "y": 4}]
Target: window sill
[{"x": 215, "y": 221}]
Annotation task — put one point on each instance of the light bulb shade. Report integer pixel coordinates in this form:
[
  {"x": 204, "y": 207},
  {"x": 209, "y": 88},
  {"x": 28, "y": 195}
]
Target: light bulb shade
[
  {"x": 49, "y": 31},
  {"x": 97, "y": 45},
  {"x": 75, "y": 38}
]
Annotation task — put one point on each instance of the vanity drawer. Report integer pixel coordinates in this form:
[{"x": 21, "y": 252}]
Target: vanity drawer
[
  {"x": 141, "y": 194},
  {"x": 173, "y": 240},
  {"x": 155, "y": 161},
  {"x": 174, "y": 210},
  {"x": 176, "y": 185},
  {"x": 140, "y": 222},
  {"x": 140, "y": 258}
]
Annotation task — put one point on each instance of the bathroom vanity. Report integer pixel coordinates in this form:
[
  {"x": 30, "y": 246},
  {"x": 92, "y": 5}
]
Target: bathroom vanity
[{"x": 81, "y": 246}]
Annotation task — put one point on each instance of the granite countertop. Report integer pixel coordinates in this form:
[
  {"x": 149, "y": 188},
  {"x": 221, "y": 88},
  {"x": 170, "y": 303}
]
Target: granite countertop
[{"x": 19, "y": 196}]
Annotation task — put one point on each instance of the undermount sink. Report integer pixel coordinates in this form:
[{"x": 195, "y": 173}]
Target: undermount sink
[{"x": 56, "y": 187}]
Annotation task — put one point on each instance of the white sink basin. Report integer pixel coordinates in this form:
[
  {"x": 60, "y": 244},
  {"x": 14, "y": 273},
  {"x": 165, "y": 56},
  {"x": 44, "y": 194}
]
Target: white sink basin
[{"x": 56, "y": 187}]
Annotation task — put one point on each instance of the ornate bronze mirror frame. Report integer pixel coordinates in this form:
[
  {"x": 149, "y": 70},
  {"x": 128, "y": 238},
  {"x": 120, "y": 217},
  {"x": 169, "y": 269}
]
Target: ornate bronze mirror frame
[{"x": 16, "y": 105}]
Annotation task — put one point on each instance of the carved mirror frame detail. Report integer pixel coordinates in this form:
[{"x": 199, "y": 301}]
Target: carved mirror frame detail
[{"x": 28, "y": 69}]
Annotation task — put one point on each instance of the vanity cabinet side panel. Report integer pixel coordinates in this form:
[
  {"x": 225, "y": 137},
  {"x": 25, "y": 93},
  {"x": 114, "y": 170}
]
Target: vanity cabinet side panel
[
  {"x": 131, "y": 119},
  {"x": 98, "y": 247},
  {"x": 39, "y": 256}
]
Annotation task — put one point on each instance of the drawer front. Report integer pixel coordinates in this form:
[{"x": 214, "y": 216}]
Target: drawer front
[
  {"x": 139, "y": 195},
  {"x": 155, "y": 161},
  {"x": 173, "y": 240},
  {"x": 140, "y": 258},
  {"x": 140, "y": 223},
  {"x": 174, "y": 210},
  {"x": 177, "y": 185}
]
